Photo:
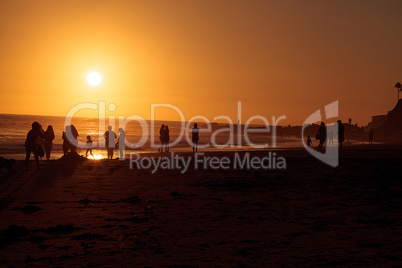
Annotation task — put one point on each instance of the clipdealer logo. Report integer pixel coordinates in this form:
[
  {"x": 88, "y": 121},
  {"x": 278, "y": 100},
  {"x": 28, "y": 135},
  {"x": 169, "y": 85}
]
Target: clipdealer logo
[
  {"x": 235, "y": 134},
  {"x": 238, "y": 135},
  {"x": 202, "y": 161}
]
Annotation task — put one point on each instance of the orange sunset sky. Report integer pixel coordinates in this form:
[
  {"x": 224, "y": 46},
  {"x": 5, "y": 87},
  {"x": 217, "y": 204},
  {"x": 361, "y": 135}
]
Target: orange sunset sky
[{"x": 277, "y": 57}]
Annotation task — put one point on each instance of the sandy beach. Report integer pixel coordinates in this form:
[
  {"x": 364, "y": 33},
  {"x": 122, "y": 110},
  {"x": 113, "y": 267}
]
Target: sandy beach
[
  {"x": 101, "y": 212},
  {"x": 295, "y": 108}
]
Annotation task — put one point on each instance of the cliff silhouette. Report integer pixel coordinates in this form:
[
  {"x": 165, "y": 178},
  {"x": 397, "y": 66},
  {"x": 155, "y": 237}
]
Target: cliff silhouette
[{"x": 391, "y": 129}]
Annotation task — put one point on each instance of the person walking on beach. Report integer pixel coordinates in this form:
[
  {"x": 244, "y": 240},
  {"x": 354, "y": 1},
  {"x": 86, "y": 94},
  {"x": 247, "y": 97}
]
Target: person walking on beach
[
  {"x": 195, "y": 136},
  {"x": 121, "y": 143},
  {"x": 161, "y": 138},
  {"x": 110, "y": 137},
  {"x": 322, "y": 135},
  {"x": 341, "y": 133},
  {"x": 48, "y": 144},
  {"x": 30, "y": 144},
  {"x": 371, "y": 136},
  {"x": 309, "y": 141},
  {"x": 89, "y": 147},
  {"x": 166, "y": 138}
]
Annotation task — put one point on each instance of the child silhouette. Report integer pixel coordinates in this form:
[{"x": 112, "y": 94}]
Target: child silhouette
[
  {"x": 309, "y": 141},
  {"x": 89, "y": 147}
]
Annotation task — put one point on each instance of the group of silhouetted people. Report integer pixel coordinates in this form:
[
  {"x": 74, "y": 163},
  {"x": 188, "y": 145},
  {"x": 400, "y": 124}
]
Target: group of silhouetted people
[
  {"x": 164, "y": 137},
  {"x": 110, "y": 139},
  {"x": 321, "y": 135},
  {"x": 70, "y": 144},
  {"x": 40, "y": 142},
  {"x": 36, "y": 140},
  {"x": 110, "y": 142}
]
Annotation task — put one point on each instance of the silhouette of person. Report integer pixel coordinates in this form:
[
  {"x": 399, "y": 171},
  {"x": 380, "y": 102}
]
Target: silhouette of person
[
  {"x": 66, "y": 142},
  {"x": 195, "y": 136},
  {"x": 74, "y": 141},
  {"x": 371, "y": 136},
  {"x": 30, "y": 144},
  {"x": 49, "y": 135},
  {"x": 341, "y": 133},
  {"x": 110, "y": 137},
  {"x": 330, "y": 138},
  {"x": 40, "y": 142},
  {"x": 166, "y": 138},
  {"x": 121, "y": 143},
  {"x": 309, "y": 141},
  {"x": 70, "y": 141},
  {"x": 161, "y": 138},
  {"x": 322, "y": 135},
  {"x": 89, "y": 147}
]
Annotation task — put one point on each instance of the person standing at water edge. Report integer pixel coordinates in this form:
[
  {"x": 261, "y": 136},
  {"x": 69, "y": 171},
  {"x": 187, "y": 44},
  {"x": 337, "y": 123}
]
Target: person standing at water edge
[
  {"x": 341, "y": 133},
  {"x": 309, "y": 141},
  {"x": 89, "y": 147},
  {"x": 66, "y": 143},
  {"x": 322, "y": 135},
  {"x": 49, "y": 135},
  {"x": 30, "y": 145},
  {"x": 110, "y": 137},
  {"x": 121, "y": 143},
  {"x": 195, "y": 136},
  {"x": 166, "y": 138},
  {"x": 161, "y": 137}
]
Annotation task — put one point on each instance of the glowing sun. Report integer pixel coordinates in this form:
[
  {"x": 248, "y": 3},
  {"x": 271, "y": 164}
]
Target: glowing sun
[
  {"x": 94, "y": 78},
  {"x": 95, "y": 156}
]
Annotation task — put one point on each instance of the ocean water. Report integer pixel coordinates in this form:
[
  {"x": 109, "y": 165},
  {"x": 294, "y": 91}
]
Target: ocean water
[{"x": 14, "y": 129}]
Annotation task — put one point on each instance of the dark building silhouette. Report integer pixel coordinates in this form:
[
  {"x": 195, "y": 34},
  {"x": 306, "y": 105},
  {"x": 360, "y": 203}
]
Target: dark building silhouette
[{"x": 391, "y": 128}]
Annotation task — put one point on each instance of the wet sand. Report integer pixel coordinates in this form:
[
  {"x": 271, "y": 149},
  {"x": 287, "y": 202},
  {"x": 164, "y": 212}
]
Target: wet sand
[{"x": 101, "y": 212}]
